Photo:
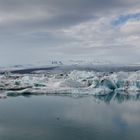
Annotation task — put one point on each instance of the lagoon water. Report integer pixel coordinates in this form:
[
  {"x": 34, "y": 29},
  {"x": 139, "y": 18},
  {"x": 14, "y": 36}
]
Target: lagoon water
[{"x": 54, "y": 117}]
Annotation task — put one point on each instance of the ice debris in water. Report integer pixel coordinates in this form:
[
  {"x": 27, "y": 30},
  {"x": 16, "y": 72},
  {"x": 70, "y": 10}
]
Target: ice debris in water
[{"x": 79, "y": 82}]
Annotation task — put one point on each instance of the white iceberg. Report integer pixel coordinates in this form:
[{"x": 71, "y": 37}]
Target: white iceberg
[{"x": 79, "y": 82}]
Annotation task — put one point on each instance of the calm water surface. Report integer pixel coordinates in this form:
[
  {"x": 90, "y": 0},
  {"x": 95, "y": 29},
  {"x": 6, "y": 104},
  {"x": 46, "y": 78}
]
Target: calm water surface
[{"x": 69, "y": 118}]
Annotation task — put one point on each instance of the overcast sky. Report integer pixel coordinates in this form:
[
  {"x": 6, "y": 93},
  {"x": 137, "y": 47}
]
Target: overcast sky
[{"x": 39, "y": 30}]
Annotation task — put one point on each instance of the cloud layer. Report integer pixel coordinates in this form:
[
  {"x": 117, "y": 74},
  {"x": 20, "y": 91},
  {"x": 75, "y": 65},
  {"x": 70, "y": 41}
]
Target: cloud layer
[{"x": 37, "y": 30}]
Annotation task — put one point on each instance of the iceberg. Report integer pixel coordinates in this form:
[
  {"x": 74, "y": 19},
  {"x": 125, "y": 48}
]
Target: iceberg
[{"x": 72, "y": 82}]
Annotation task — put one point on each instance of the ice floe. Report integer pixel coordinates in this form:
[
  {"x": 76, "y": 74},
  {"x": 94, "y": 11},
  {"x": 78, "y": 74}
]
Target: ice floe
[{"x": 73, "y": 82}]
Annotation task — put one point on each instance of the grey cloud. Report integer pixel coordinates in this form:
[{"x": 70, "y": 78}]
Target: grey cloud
[
  {"x": 55, "y": 13},
  {"x": 38, "y": 26}
]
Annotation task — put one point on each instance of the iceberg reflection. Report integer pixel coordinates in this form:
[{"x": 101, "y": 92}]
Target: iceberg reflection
[{"x": 118, "y": 97}]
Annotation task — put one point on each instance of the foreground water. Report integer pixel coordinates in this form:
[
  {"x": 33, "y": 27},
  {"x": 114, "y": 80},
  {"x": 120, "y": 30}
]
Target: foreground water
[{"x": 69, "y": 118}]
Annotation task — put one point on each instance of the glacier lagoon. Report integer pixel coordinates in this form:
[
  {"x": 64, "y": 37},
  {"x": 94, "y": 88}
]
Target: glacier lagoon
[
  {"x": 69, "y": 117},
  {"x": 75, "y": 104}
]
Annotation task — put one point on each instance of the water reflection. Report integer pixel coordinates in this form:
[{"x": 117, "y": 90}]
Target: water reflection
[
  {"x": 118, "y": 97},
  {"x": 70, "y": 117}
]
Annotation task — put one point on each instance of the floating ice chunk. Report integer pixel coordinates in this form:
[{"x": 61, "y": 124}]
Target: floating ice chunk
[
  {"x": 105, "y": 81},
  {"x": 17, "y": 92},
  {"x": 79, "y": 82},
  {"x": 73, "y": 83},
  {"x": 80, "y": 75},
  {"x": 102, "y": 91}
]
